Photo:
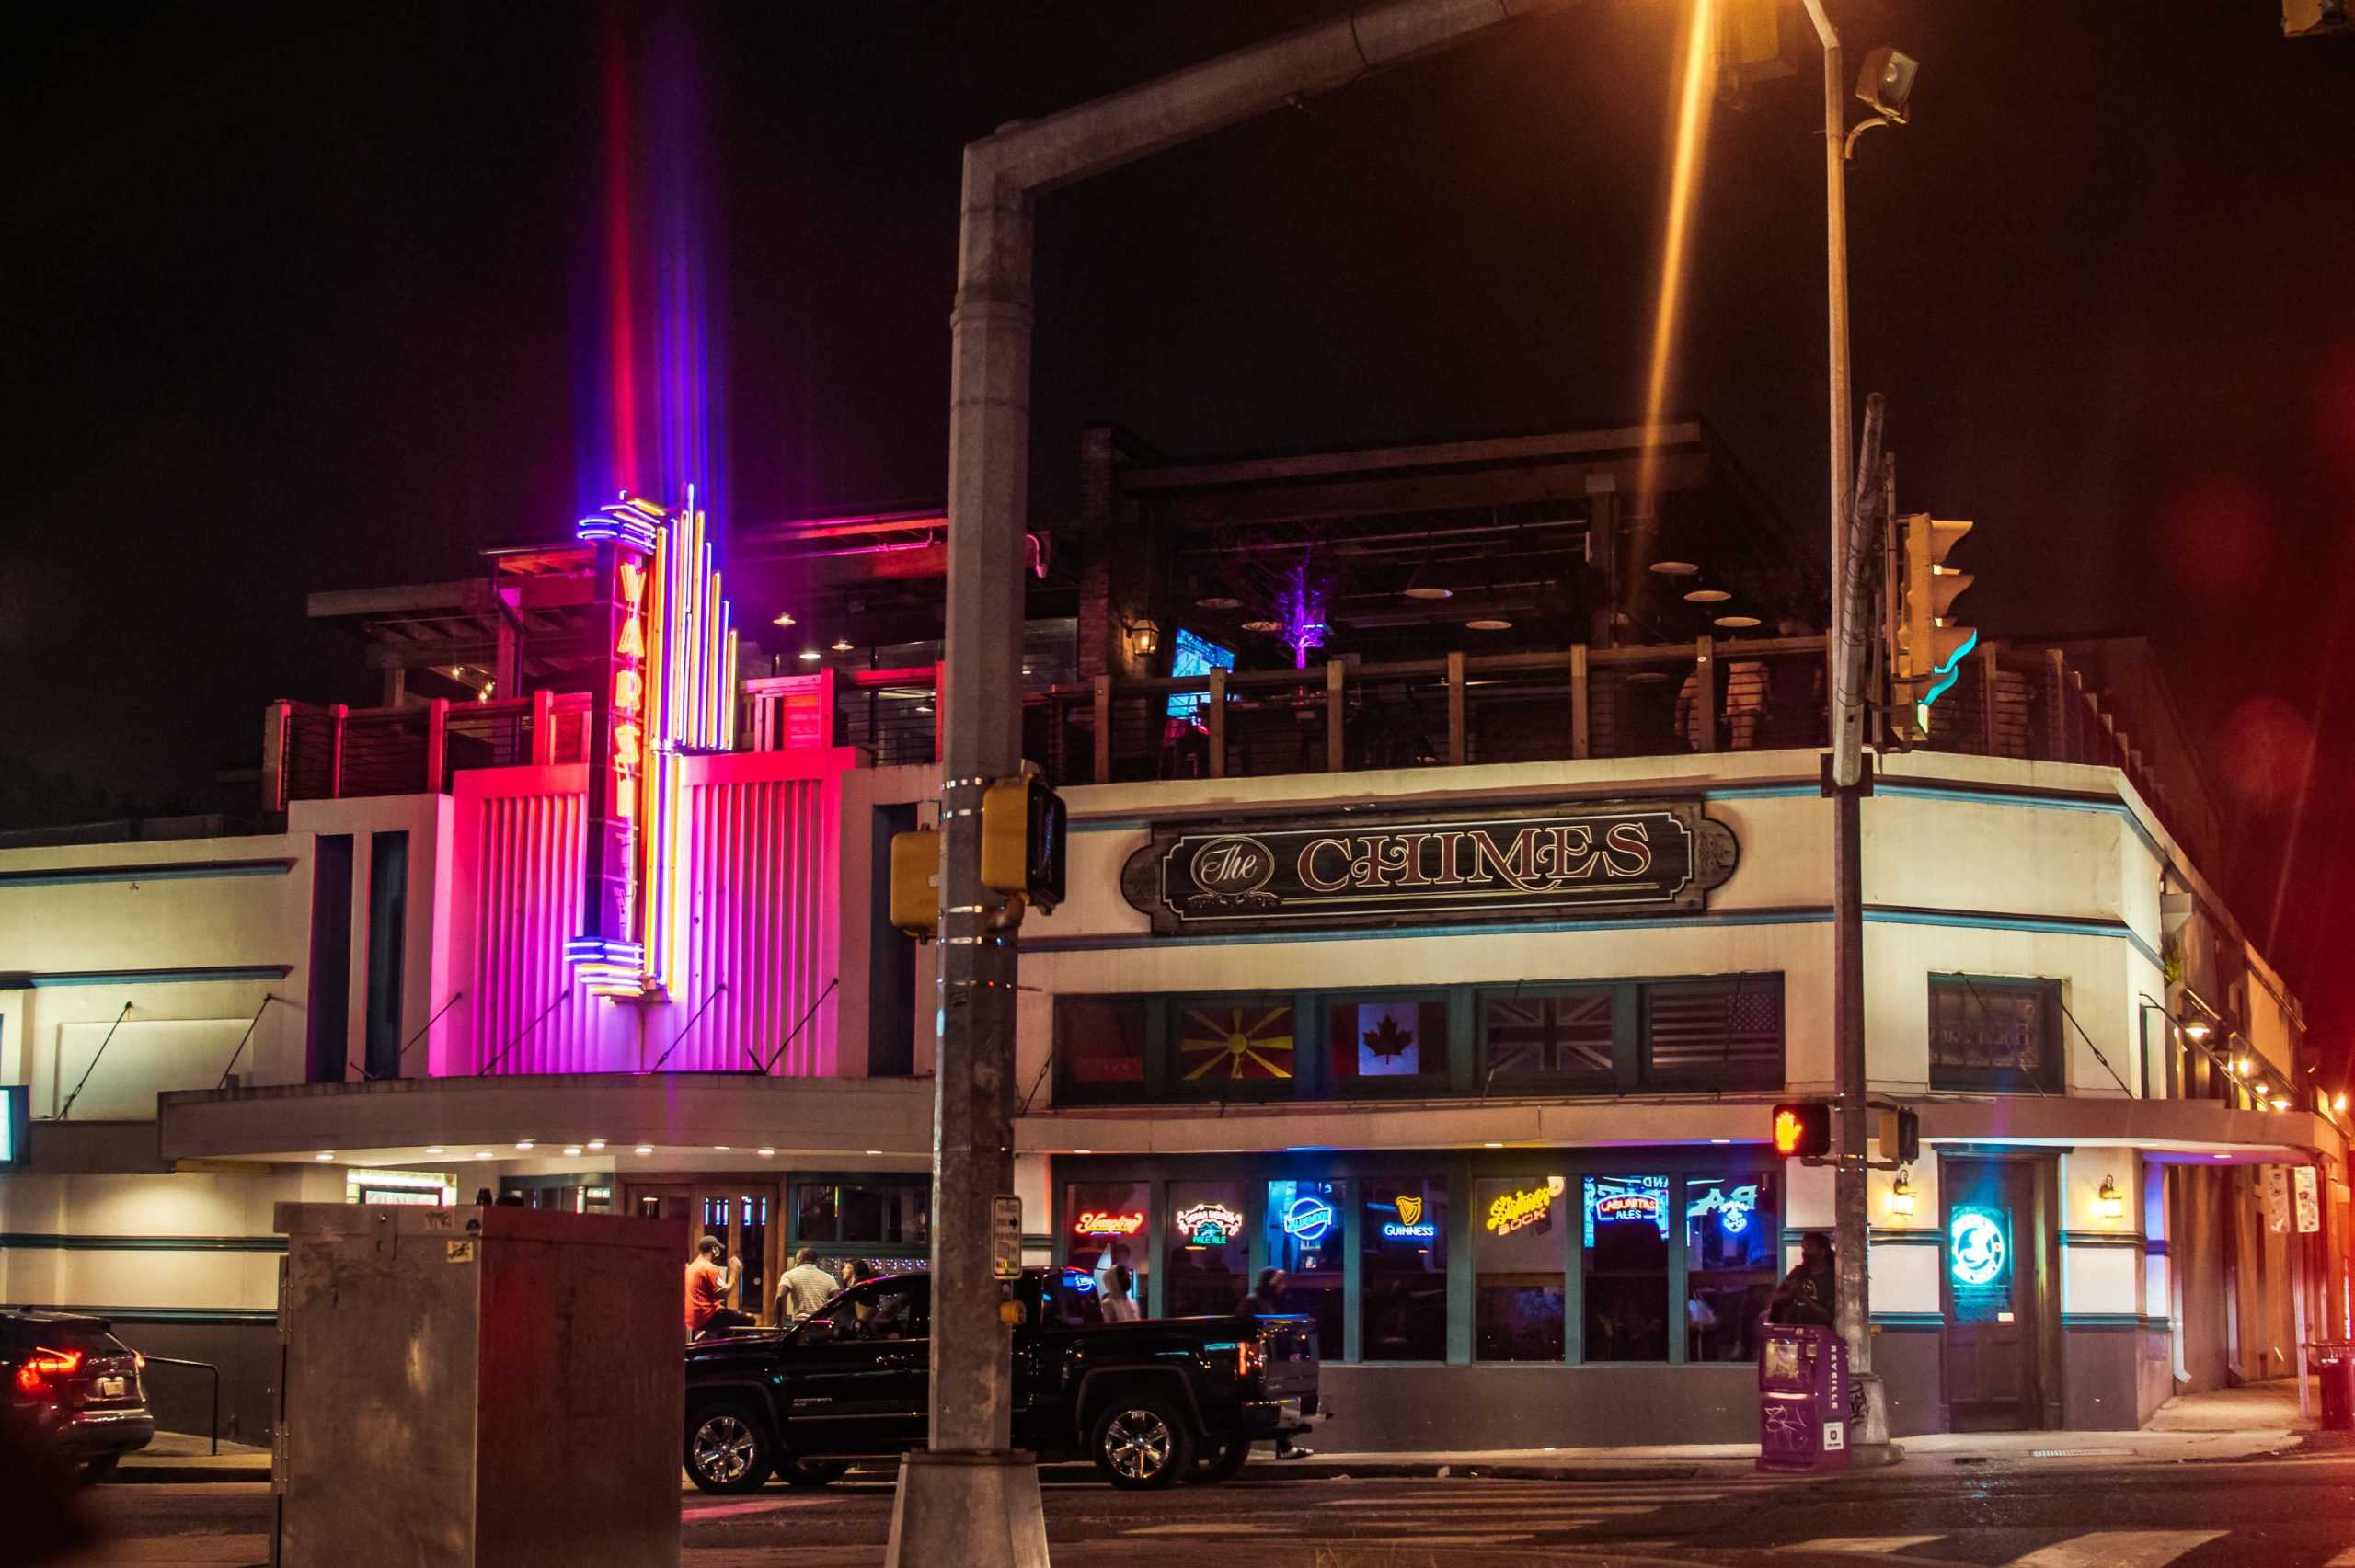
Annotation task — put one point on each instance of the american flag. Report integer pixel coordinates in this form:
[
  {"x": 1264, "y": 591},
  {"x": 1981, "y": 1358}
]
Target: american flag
[
  {"x": 1551, "y": 1035},
  {"x": 1729, "y": 1030}
]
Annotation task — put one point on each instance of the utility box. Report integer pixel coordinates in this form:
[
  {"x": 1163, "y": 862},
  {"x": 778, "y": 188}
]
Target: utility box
[
  {"x": 1803, "y": 1388},
  {"x": 489, "y": 1386}
]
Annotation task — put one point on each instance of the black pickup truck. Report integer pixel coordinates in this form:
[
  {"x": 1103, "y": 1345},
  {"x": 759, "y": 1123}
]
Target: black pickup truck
[{"x": 1149, "y": 1402}]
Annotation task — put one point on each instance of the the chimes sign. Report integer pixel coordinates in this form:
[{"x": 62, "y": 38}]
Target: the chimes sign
[
  {"x": 1369, "y": 870},
  {"x": 668, "y": 692}
]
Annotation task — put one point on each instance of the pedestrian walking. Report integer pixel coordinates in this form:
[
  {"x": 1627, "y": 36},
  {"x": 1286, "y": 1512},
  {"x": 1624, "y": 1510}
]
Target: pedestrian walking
[
  {"x": 806, "y": 1286},
  {"x": 1120, "y": 1296},
  {"x": 1267, "y": 1301},
  {"x": 707, "y": 1288}
]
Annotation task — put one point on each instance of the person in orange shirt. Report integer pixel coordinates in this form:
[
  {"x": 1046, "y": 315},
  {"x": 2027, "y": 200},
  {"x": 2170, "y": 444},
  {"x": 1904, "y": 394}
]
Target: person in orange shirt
[{"x": 707, "y": 1288}]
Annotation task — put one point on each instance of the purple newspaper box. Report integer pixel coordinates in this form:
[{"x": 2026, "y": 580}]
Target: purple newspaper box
[{"x": 1802, "y": 1398}]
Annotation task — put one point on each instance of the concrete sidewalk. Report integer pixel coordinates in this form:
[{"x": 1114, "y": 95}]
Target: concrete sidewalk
[{"x": 2231, "y": 1424}]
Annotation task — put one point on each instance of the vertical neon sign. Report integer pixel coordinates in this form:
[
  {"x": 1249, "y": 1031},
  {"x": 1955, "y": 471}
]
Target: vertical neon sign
[{"x": 669, "y": 692}]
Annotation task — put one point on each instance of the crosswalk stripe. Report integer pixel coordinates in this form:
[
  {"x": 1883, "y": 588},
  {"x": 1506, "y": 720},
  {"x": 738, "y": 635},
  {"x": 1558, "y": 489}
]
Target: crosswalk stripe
[
  {"x": 2116, "y": 1549},
  {"x": 1879, "y": 1545}
]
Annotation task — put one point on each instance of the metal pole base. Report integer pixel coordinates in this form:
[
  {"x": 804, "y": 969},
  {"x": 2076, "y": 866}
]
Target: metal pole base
[
  {"x": 1868, "y": 1443},
  {"x": 977, "y": 1509}
]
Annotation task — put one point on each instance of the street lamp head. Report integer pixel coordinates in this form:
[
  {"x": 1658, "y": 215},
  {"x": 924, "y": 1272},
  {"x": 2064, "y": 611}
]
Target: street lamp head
[{"x": 1886, "y": 82}]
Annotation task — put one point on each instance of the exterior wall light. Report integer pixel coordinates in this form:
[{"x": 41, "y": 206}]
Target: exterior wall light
[
  {"x": 840, "y": 645},
  {"x": 2198, "y": 1029},
  {"x": 2240, "y": 1067},
  {"x": 2109, "y": 1203},
  {"x": 2280, "y": 1103},
  {"x": 1901, "y": 1195},
  {"x": 2339, "y": 1102},
  {"x": 1144, "y": 637}
]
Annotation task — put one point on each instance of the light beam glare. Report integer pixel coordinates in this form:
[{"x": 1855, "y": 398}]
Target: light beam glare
[{"x": 1694, "y": 98}]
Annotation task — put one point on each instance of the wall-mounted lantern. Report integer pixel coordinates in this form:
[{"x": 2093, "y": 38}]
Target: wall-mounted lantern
[
  {"x": 2109, "y": 1203},
  {"x": 1144, "y": 637},
  {"x": 1901, "y": 1195}
]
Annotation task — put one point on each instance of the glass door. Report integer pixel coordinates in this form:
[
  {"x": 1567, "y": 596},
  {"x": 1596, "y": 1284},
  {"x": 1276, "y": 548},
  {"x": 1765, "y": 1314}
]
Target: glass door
[{"x": 738, "y": 1214}]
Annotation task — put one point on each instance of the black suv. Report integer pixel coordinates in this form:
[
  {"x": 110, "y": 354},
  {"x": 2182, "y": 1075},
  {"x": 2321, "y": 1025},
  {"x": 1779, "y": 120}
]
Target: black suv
[
  {"x": 71, "y": 1389},
  {"x": 1149, "y": 1402}
]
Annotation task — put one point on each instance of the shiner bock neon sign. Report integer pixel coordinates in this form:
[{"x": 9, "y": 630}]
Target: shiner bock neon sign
[{"x": 669, "y": 692}]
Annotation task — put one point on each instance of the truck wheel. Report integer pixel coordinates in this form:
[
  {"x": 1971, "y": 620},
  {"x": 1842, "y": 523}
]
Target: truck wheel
[
  {"x": 1223, "y": 1462},
  {"x": 1141, "y": 1441},
  {"x": 729, "y": 1450},
  {"x": 808, "y": 1475}
]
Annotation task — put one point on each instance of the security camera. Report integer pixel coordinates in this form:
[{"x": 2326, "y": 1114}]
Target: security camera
[{"x": 1886, "y": 82}]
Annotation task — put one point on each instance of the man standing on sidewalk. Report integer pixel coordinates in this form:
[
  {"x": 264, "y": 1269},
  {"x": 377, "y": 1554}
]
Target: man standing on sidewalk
[{"x": 1267, "y": 1301}]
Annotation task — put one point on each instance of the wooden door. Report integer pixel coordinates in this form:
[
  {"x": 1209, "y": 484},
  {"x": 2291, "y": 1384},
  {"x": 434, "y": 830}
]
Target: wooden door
[
  {"x": 743, "y": 1215},
  {"x": 1992, "y": 1319}
]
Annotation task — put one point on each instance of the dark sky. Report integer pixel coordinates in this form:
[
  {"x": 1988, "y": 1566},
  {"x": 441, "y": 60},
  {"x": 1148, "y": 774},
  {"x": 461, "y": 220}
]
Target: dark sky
[{"x": 292, "y": 301}]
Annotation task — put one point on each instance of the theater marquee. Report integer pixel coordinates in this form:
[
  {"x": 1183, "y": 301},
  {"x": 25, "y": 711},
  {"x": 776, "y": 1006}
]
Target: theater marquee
[{"x": 1373, "y": 871}]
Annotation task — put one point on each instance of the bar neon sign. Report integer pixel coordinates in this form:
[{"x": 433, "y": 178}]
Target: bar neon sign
[
  {"x": 1308, "y": 1219},
  {"x": 1411, "y": 1225},
  {"x": 1209, "y": 1224},
  {"x": 669, "y": 692},
  {"x": 1628, "y": 1206},
  {"x": 1104, "y": 1222},
  {"x": 1508, "y": 1212}
]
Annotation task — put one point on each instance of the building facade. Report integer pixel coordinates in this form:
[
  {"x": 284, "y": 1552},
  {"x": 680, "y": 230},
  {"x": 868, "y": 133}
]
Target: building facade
[{"x": 1455, "y": 977}]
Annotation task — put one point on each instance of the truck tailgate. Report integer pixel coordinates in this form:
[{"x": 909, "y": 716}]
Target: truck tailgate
[{"x": 1290, "y": 1367}]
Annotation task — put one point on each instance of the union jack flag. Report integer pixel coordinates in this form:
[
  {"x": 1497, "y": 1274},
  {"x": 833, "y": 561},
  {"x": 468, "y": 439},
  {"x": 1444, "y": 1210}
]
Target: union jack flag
[{"x": 1550, "y": 1037}]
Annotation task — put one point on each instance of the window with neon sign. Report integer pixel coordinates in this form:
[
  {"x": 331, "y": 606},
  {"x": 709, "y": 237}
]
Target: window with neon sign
[
  {"x": 1105, "y": 1229},
  {"x": 1732, "y": 1256},
  {"x": 1192, "y": 655},
  {"x": 1979, "y": 1261},
  {"x": 1206, "y": 1249},
  {"x": 1625, "y": 1236},
  {"x": 1305, "y": 1229},
  {"x": 1402, "y": 1269},
  {"x": 1521, "y": 1241}
]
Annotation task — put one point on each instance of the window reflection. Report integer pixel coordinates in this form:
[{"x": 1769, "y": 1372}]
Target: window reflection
[
  {"x": 1626, "y": 1268},
  {"x": 1403, "y": 1271},
  {"x": 1732, "y": 1227},
  {"x": 1306, "y": 1226}
]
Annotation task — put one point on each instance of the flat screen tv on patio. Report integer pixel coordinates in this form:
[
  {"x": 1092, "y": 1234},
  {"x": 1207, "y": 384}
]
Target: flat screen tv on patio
[{"x": 1194, "y": 656}]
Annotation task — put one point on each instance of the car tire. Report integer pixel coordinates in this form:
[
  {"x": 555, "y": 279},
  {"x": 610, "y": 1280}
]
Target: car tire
[
  {"x": 1141, "y": 1442},
  {"x": 728, "y": 1448},
  {"x": 808, "y": 1475},
  {"x": 1221, "y": 1462},
  {"x": 92, "y": 1471}
]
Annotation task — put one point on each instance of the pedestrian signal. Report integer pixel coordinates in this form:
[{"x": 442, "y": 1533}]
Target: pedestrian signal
[
  {"x": 915, "y": 882},
  {"x": 1803, "y": 1131},
  {"x": 1900, "y": 1137},
  {"x": 1022, "y": 840}
]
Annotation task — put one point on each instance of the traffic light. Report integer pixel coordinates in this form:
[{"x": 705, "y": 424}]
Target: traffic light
[
  {"x": 1803, "y": 1130},
  {"x": 915, "y": 882},
  {"x": 1931, "y": 646},
  {"x": 1900, "y": 1137},
  {"x": 1022, "y": 840}
]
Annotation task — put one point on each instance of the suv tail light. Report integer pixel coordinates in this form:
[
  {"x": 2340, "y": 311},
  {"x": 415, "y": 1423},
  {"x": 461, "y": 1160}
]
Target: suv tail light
[
  {"x": 1250, "y": 1356},
  {"x": 43, "y": 1364}
]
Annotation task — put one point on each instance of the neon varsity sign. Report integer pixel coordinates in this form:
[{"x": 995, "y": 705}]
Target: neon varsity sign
[{"x": 669, "y": 691}]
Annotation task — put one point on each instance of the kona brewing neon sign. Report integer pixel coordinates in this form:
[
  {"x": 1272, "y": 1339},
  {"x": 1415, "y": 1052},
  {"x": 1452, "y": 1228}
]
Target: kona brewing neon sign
[{"x": 1209, "y": 1224}]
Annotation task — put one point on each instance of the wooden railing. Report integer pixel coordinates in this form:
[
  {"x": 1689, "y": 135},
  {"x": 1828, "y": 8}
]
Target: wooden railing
[{"x": 343, "y": 753}]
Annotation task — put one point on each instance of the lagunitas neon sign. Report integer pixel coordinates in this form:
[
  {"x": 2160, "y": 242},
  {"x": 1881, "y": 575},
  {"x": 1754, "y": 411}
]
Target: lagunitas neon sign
[
  {"x": 1106, "y": 1222},
  {"x": 668, "y": 692},
  {"x": 1361, "y": 870}
]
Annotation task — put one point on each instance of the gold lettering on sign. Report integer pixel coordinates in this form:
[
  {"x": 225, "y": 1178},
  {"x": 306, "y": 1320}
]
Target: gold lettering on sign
[{"x": 1309, "y": 876}]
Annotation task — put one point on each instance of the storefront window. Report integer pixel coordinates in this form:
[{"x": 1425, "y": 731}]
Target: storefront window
[
  {"x": 1563, "y": 1039},
  {"x": 881, "y": 1213},
  {"x": 1373, "y": 1042},
  {"x": 1209, "y": 1253},
  {"x": 1725, "y": 1033},
  {"x": 1519, "y": 1245},
  {"x": 1306, "y": 1226},
  {"x": 1625, "y": 1234},
  {"x": 1099, "y": 1048},
  {"x": 1227, "y": 1046},
  {"x": 1732, "y": 1227},
  {"x": 1105, "y": 1224},
  {"x": 1995, "y": 1034},
  {"x": 1403, "y": 1271}
]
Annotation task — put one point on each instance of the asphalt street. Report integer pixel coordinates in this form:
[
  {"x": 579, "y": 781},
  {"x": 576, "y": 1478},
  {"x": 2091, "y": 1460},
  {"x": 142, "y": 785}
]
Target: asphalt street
[{"x": 2283, "y": 1513}]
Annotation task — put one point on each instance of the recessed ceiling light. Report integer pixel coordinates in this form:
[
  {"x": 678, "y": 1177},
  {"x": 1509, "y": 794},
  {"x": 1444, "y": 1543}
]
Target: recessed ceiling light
[
  {"x": 720, "y": 1148},
  {"x": 435, "y": 1149},
  {"x": 523, "y": 1143},
  {"x": 1674, "y": 568},
  {"x": 810, "y": 656},
  {"x": 1707, "y": 596},
  {"x": 1220, "y": 601},
  {"x": 482, "y": 1153},
  {"x": 1489, "y": 624},
  {"x": 766, "y": 1152},
  {"x": 783, "y": 618},
  {"x": 1270, "y": 627},
  {"x": 646, "y": 1148},
  {"x": 1721, "y": 1141},
  {"x": 328, "y": 1154},
  {"x": 875, "y": 1152},
  {"x": 840, "y": 645},
  {"x": 1492, "y": 1146},
  {"x": 1737, "y": 622},
  {"x": 572, "y": 1149},
  {"x": 1083, "y": 1151},
  {"x": 1430, "y": 591},
  {"x": 596, "y": 1143}
]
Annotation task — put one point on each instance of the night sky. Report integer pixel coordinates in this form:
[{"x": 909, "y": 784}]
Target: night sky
[{"x": 295, "y": 300}]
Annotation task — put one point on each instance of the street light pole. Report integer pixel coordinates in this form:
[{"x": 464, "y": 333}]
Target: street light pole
[{"x": 1847, "y": 784}]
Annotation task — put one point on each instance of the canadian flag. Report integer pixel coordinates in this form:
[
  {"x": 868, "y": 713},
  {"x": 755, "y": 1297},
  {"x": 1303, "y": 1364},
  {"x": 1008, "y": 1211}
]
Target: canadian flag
[{"x": 1386, "y": 1044}]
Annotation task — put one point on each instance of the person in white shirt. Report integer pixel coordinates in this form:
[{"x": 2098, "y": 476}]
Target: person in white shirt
[
  {"x": 806, "y": 1288},
  {"x": 1120, "y": 1296}
]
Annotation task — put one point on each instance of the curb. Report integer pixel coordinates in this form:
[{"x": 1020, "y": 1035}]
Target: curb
[{"x": 178, "y": 1473}]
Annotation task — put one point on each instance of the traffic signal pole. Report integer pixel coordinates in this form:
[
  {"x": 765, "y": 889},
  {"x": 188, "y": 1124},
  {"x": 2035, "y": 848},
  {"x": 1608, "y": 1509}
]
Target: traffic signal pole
[{"x": 969, "y": 1498}]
